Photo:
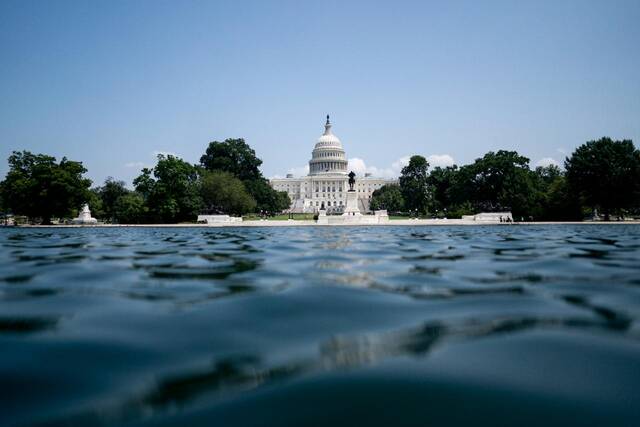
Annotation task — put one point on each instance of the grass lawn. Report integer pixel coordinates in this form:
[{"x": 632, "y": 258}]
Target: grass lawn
[{"x": 282, "y": 217}]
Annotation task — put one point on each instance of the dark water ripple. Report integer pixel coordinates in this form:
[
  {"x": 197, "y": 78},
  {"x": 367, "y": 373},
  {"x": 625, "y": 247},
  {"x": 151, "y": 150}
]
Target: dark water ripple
[{"x": 520, "y": 325}]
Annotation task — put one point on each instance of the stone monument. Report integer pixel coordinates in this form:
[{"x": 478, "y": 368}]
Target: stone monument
[
  {"x": 85, "y": 216},
  {"x": 351, "y": 208}
]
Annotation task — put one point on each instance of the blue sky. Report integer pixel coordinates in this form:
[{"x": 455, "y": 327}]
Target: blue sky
[{"x": 112, "y": 82}]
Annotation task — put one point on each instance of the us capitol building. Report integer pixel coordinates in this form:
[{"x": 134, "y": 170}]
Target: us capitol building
[{"x": 326, "y": 185}]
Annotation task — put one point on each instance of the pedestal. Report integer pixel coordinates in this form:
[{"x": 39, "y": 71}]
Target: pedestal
[
  {"x": 351, "y": 208},
  {"x": 322, "y": 217}
]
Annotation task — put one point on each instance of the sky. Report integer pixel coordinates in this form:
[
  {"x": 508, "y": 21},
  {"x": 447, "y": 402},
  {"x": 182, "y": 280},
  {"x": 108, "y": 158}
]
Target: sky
[{"x": 113, "y": 83}]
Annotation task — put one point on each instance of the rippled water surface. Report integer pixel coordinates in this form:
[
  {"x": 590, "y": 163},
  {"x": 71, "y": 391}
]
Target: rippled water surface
[{"x": 509, "y": 325}]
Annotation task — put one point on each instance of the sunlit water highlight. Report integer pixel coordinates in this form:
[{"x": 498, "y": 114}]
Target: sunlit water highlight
[{"x": 510, "y": 325}]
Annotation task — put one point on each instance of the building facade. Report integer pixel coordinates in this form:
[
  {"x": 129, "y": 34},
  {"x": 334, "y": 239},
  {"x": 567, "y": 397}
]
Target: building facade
[{"x": 326, "y": 184}]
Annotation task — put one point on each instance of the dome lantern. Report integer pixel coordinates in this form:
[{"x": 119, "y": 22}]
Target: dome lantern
[{"x": 328, "y": 156}]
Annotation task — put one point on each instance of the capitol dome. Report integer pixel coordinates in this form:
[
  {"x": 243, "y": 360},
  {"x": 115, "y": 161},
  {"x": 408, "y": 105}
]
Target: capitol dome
[
  {"x": 328, "y": 139},
  {"x": 328, "y": 156}
]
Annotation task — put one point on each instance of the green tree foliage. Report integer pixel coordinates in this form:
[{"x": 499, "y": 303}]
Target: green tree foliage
[
  {"x": 109, "y": 194},
  {"x": 3, "y": 208},
  {"x": 606, "y": 174},
  {"x": 388, "y": 197},
  {"x": 39, "y": 187},
  {"x": 222, "y": 192},
  {"x": 560, "y": 203},
  {"x": 238, "y": 158},
  {"x": 555, "y": 202},
  {"x": 130, "y": 208},
  {"x": 115, "y": 203},
  {"x": 498, "y": 181},
  {"x": 414, "y": 184},
  {"x": 441, "y": 180},
  {"x": 233, "y": 156},
  {"x": 267, "y": 199},
  {"x": 548, "y": 174},
  {"x": 171, "y": 190},
  {"x": 95, "y": 203}
]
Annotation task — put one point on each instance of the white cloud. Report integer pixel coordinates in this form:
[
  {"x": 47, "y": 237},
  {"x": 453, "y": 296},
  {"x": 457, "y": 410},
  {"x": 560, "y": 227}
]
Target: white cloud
[
  {"x": 299, "y": 171},
  {"x": 137, "y": 165},
  {"x": 547, "y": 161},
  {"x": 154, "y": 154},
  {"x": 400, "y": 163},
  {"x": 359, "y": 166},
  {"x": 442, "y": 160}
]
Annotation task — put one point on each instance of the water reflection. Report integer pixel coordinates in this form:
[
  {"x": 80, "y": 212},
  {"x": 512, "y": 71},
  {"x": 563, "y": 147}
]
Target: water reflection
[
  {"x": 25, "y": 325},
  {"x": 241, "y": 373}
]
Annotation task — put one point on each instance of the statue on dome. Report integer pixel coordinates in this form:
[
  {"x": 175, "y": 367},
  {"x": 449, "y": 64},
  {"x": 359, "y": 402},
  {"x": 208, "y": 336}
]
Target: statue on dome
[{"x": 352, "y": 180}]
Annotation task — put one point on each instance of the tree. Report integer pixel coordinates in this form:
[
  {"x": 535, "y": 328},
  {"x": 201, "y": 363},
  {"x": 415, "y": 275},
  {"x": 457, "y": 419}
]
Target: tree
[
  {"x": 3, "y": 208},
  {"x": 233, "y": 156},
  {"x": 37, "y": 186},
  {"x": 144, "y": 183},
  {"x": 172, "y": 193},
  {"x": 113, "y": 201},
  {"x": 497, "y": 181},
  {"x": 130, "y": 208},
  {"x": 283, "y": 201},
  {"x": 548, "y": 174},
  {"x": 606, "y": 174},
  {"x": 560, "y": 203},
  {"x": 414, "y": 184},
  {"x": 267, "y": 199},
  {"x": 236, "y": 157},
  {"x": 224, "y": 193},
  {"x": 109, "y": 194},
  {"x": 95, "y": 203},
  {"x": 441, "y": 181},
  {"x": 554, "y": 200},
  {"x": 388, "y": 197}
]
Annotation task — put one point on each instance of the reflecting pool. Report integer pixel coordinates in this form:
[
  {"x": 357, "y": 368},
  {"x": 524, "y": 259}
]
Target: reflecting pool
[{"x": 490, "y": 325}]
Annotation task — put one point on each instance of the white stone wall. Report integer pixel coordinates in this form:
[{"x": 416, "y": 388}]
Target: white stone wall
[{"x": 311, "y": 192}]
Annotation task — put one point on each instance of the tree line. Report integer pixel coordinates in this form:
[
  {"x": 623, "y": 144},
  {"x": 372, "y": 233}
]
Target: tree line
[
  {"x": 601, "y": 175},
  {"x": 227, "y": 180}
]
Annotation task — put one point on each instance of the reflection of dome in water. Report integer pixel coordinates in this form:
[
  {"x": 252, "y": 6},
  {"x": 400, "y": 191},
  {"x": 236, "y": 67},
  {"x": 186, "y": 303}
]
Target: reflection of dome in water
[{"x": 328, "y": 156}]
